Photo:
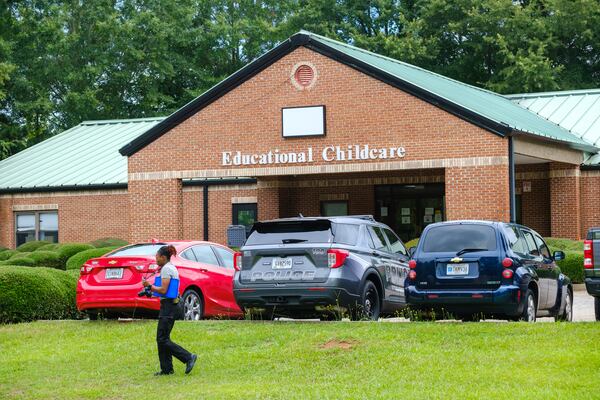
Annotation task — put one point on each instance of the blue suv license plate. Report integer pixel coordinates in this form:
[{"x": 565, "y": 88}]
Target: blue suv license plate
[{"x": 457, "y": 269}]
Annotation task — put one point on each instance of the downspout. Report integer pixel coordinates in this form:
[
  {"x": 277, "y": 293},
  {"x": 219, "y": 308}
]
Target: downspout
[
  {"x": 205, "y": 209},
  {"x": 511, "y": 180}
]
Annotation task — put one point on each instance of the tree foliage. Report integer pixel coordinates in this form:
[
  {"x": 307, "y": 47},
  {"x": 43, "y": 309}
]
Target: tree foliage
[{"x": 62, "y": 62}]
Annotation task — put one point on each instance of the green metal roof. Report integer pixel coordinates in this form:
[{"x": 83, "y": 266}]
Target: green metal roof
[
  {"x": 488, "y": 104},
  {"x": 578, "y": 111},
  {"x": 85, "y": 155}
]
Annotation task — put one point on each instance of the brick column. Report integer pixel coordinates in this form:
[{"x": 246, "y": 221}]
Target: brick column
[
  {"x": 155, "y": 210},
  {"x": 477, "y": 193},
  {"x": 7, "y": 226},
  {"x": 565, "y": 206},
  {"x": 268, "y": 203}
]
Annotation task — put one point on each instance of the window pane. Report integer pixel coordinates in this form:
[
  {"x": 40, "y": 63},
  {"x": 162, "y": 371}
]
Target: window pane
[
  {"x": 189, "y": 255},
  {"x": 516, "y": 241},
  {"x": 542, "y": 246},
  {"x": 139, "y": 250},
  {"x": 49, "y": 236},
  {"x": 334, "y": 208},
  {"x": 226, "y": 256},
  {"x": 25, "y": 222},
  {"x": 456, "y": 237},
  {"x": 395, "y": 243},
  {"x": 378, "y": 239},
  {"x": 310, "y": 231},
  {"x": 49, "y": 221},
  {"x": 24, "y": 237},
  {"x": 533, "y": 251},
  {"x": 205, "y": 255},
  {"x": 346, "y": 233}
]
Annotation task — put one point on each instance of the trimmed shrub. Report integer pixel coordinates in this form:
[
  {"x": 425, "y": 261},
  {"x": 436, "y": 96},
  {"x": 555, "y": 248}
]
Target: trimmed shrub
[
  {"x": 65, "y": 251},
  {"x": 23, "y": 261},
  {"x": 77, "y": 260},
  {"x": 109, "y": 242},
  {"x": 28, "y": 294},
  {"x": 19, "y": 255},
  {"x": 412, "y": 243},
  {"x": 564, "y": 244},
  {"x": 6, "y": 254},
  {"x": 32, "y": 246},
  {"x": 48, "y": 259},
  {"x": 572, "y": 266},
  {"x": 49, "y": 247}
]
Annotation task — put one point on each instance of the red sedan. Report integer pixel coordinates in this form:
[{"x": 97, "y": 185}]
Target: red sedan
[{"x": 110, "y": 284}]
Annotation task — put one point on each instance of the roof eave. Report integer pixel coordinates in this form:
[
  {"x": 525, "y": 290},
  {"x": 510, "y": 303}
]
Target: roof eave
[
  {"x": 575, "y": 146},
  {"x": 63, "y": 188}
]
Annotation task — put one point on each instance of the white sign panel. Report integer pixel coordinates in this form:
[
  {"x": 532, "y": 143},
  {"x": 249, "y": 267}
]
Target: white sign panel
[{"x": 303, "y": 121}]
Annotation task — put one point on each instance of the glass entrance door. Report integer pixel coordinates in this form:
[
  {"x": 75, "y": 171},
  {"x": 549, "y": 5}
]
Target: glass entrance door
[{"x": 408, "y": 209}]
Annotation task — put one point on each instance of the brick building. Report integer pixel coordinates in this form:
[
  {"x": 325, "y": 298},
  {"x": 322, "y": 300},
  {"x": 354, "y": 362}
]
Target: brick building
[{"x": 315, "y": 127}]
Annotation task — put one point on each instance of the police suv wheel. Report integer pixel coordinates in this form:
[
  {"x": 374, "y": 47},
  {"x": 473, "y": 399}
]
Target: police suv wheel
[
  {"x": 370, "y": 305},
  {"x": 193, "y": 306}
]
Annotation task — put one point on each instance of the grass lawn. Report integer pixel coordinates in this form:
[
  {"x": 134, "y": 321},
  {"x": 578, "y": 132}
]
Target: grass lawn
[{"x": 292, "y": 360}]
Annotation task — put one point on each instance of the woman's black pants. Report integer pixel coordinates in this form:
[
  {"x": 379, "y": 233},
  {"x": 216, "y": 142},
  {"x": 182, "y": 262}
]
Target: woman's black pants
[{"x": 167, "y": 348}]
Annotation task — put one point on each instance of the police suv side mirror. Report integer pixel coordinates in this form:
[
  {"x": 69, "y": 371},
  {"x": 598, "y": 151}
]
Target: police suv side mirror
[{"x": 558, "y": 255}]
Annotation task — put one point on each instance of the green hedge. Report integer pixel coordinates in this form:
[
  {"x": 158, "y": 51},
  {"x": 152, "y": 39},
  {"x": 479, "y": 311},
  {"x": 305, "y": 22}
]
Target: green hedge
[
  {"x": 572, "y": 266},
  {"x": 564, "y": 244},
  {"x": 49, "y": 247},
  {"x": 77, "y": 260},
  {"x": 67, "y": 250},
  {"x": 32, "y": 246},
  {"x": 411, "y": 243},
  {"x": 28, "y": 294},
  {"x": 18, "y": 254},
  {"x": 24, "y": 261},
  {"x": 48, "y": 259},
  {"x": 6, "y": 254},
  {"x": 109, "y": 242}
]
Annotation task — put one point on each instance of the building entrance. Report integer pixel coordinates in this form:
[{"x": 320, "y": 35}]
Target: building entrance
[{"x": 408, "y": 209}]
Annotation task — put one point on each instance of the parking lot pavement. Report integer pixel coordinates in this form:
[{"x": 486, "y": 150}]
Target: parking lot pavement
[{"x": 583, "y": 305}]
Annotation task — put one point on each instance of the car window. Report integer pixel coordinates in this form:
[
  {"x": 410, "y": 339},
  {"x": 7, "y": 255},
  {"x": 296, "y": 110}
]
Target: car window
[
  {"x": 453, "y": 238},
  {"x": 226, "y": 256},
  {"x": 544, "y": 250},
  {"x": 378, "y": 238},
  {"x": 345, "y": 233},
  {"x": 278, "y": 232},
  {"x": 189, "y": 255},
  {"x": 205, "y": 255},
  {"x": 516, "y": 241},
  {"x": 396, "y": 244},
  {"x": 532, "y": 247},
  {"x": 138, "y": 250}
]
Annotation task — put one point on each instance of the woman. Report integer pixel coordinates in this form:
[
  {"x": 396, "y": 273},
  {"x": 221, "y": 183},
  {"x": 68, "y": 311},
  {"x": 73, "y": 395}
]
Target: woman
[{"x": 166, "y": 286}]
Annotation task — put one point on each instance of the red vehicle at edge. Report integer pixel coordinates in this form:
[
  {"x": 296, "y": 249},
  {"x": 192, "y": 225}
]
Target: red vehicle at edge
[{"x": 110, "y": 284}]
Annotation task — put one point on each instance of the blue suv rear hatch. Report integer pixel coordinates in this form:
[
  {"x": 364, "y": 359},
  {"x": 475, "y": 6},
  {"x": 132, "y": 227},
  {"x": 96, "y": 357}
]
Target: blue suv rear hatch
[{"x": 463, "y": 255}]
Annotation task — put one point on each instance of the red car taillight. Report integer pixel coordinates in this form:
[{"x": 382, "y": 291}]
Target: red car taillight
[
  {"x": 336, "y": 257},
  {"x": 146, "y": 267},
  {"x": 237, "y": 260},
  {"x": 507, "y": 262},
  {"x": 588, "y": 254},
  {"x": 412, "y": 274},
  {"x": 412, "y": 264},
  {"x": 85, "y": 269},
  {"x": 507, "y": 273}
]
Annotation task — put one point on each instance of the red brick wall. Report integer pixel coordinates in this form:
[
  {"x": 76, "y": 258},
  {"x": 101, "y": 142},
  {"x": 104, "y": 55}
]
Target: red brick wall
[
  {"x": 81, "y": 218},
  {"x": 477, "y": 193},
  {"x": 565, "y": 210},
  {"x": 156, "y": 210},
  {"x": 536, "y": 203},
  {"x": 590, "y": 201}
]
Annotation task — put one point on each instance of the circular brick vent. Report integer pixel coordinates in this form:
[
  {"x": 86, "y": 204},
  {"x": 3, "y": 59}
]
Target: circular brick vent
[{"x": 304, "y": 75}]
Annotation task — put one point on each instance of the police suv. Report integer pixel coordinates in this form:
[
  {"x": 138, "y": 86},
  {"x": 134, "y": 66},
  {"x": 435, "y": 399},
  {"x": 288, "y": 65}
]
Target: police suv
[{"x": 321, "y": 266}]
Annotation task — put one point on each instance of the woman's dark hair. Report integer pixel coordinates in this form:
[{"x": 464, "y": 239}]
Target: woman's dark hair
[{"x": 167, "y": 251}]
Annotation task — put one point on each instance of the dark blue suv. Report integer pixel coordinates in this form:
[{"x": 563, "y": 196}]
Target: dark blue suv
[{"x": 477, "y": 269}]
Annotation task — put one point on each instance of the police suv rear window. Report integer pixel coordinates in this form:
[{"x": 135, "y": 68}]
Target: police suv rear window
[
  {"x": 454, "y": 238},
  {"x": 287, "y": 232},
  {"x": 315, "y": 231}
]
